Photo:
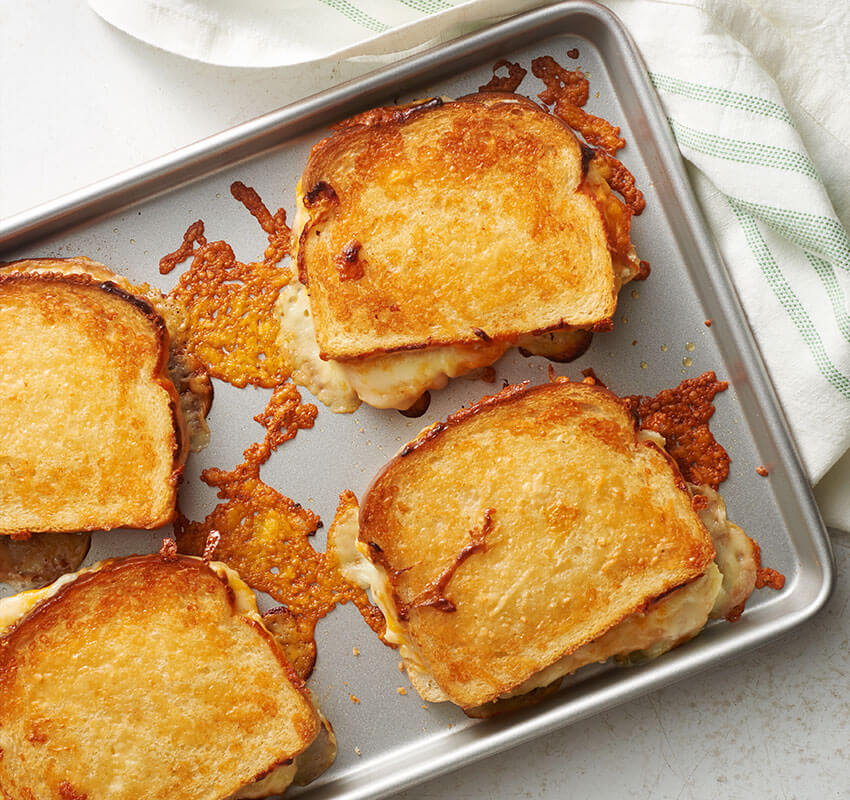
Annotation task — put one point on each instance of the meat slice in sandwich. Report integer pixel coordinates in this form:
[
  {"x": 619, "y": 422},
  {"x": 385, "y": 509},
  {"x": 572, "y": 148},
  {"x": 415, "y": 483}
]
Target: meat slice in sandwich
[
  {"x": 533, "y": 533},
  {"x": 93, "y": 430},
  {"x": 432, "y": 237},
  {"x": 150, "y": 677}
]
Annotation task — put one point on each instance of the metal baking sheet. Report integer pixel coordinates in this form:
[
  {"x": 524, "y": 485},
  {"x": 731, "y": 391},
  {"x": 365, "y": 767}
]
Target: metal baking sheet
[{"x": 390, "y": 741}]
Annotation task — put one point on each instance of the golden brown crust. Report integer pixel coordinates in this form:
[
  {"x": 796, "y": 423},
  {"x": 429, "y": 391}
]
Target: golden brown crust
[
  {"x": 78, "y": 265},
  {"x": 384, "y": 114},
  {"x": 484, "y": 188},
  {"x": 588, "y": 525},
  {"x": 81, "y": 654},
  {"x": 186, "y": 372},
  {"x": 87, "y": 308}
]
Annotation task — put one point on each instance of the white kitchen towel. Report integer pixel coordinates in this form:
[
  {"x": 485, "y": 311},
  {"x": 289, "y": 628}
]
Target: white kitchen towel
[
  {"x": 274, "y": 33},
  {"x": 721, "y": 68}
]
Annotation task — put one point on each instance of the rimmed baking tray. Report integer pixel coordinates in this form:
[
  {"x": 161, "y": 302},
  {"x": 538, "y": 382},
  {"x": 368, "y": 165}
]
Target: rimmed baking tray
[{"x": 389, "y": 740}]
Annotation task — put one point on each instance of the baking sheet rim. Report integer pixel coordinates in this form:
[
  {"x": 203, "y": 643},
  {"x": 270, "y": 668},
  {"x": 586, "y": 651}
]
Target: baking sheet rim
[{"x": 256, "y": 136}]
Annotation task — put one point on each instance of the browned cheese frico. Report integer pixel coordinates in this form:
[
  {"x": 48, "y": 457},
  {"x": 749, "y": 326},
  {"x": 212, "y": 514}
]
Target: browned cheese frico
[
  {"x": 265, "y": 536},
  {"x": 228, "y": 306},
  {"x": 566, "y": 93},
  {"x": 231, "y": 325},
  {"x": 681, "y": 415}
]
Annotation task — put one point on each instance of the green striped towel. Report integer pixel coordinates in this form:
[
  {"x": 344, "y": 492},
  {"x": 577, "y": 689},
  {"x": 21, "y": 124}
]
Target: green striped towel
[
  {"x": 771, "y": 215},
  {"x": 715, "y": 64}
]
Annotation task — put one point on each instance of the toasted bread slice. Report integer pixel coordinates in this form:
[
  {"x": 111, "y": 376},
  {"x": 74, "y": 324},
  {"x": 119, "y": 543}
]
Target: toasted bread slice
[
  {"x": 91, "y": 435},
  {"x": 146, "y": 677},
  {"x": 185, "y": 370},
  {"x": 524, "y": 528},
  {"x": 452, "y": 223}
]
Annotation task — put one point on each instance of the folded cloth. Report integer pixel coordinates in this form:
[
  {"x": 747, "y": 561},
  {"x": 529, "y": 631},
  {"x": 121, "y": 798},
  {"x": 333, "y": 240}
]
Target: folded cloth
[
  {"x": 771, "y": 215},
  {"x": 746, "y": 98}
]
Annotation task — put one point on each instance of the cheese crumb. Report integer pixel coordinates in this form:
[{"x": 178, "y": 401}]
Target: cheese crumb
[
  {"x": 354, "y": 698},
  {"x": 401, "y": 690},
  {"x": 355, "y": 651}
]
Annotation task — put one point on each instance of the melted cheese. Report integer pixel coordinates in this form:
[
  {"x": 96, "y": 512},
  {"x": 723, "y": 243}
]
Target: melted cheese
[
  {"x": 736, "y": 554},
  {"x": 652, "y": 436},
  {"x": 355, "y": 565},
  {"x": 625, "y": 265},
  {"x": 675, "y": 618},
  {"x": 397, "y": 380},
  {"x": 325, "y": 379},
  {"x": 392, "y": 380}
]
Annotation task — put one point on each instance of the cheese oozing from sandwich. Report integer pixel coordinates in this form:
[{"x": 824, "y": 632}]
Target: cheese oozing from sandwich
[
  {"x": 353, "y": 561},
  {"x": 395, "y": 380}
]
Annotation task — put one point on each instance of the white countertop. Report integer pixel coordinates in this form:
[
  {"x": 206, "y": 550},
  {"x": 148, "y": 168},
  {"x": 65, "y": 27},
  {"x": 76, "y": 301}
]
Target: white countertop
[{"x": 81, "y": 101}]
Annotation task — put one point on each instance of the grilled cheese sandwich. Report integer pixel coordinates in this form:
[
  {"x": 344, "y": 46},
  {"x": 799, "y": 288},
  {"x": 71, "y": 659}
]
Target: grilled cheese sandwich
[
  {"x": 93, "y": 433},
  {"x": 378, "y": 553},
  {"x": 192, "y": 694},
  {"x": 431, "y": 238}
]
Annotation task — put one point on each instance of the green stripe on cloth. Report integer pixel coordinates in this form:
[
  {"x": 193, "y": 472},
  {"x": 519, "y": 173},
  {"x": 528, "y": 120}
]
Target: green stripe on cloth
[
  {"x": 813, "y": 232},
  {"x": 427, "y": 6},
  {"x": 790, "y": 302},
  {"x": 356, "y": 15},
  {"x": 836, "y": 297},
  {"x": 763, "y": 155},
  {"x": 720, "y": 97}
]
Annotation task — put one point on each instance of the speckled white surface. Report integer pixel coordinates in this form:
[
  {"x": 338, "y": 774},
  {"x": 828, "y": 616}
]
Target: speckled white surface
[{"x": 81, "y": 101}]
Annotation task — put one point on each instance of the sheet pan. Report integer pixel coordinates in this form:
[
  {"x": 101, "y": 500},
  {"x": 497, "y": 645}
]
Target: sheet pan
[{"x": 389, "y": 740}]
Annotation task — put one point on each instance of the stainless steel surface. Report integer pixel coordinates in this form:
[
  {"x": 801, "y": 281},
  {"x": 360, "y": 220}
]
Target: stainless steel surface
[{"x": 400, "y": 742}]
